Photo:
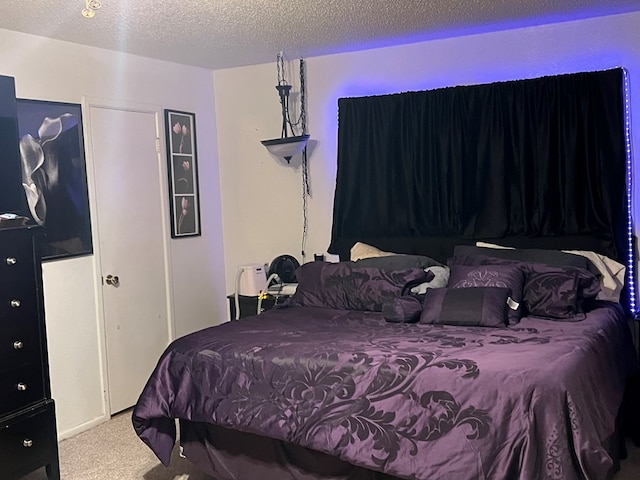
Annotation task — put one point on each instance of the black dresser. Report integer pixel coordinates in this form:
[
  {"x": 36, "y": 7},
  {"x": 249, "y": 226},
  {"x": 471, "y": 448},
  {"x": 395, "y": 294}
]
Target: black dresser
[
  {"x": 12, "y": 197},
  {"x": 28, "y": 438}
]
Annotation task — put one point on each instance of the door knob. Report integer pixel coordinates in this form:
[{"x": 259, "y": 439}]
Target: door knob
[{"x": 113, "y": 280}]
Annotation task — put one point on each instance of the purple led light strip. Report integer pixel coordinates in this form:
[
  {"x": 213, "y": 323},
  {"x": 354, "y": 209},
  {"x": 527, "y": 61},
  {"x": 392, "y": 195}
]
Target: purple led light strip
[{"x": 630, "y": 233}]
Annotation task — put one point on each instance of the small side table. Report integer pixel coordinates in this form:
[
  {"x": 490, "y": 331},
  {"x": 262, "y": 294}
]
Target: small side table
[{"x": 249, "y": 304}]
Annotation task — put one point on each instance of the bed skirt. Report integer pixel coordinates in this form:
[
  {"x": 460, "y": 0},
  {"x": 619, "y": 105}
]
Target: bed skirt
[{"x": 230, "y": 455}]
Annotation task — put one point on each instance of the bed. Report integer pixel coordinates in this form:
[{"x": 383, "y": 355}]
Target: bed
[
  {"x": 537, "y": 399},
  {"x": 425, "y": 354}
]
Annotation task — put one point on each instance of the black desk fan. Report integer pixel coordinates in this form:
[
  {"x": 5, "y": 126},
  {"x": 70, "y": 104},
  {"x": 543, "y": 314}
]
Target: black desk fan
[
  {"x": 282, "y": 273},
  {"x": 284, "y": 267}
]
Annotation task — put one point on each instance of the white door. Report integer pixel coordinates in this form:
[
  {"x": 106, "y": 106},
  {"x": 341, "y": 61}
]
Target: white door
[{"x": 129, "y": 213}]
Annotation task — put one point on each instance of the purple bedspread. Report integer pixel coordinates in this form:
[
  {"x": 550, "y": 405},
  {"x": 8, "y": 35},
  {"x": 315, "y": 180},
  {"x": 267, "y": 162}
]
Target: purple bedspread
[{"x": 534, "y": 401}]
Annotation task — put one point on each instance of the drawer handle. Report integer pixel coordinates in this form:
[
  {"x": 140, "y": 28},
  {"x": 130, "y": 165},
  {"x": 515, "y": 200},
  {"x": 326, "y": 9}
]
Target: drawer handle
[
  {"x": 15, "y": 303},
  {"x": 27, "y": 443},
  {"x": 21, "y": 387},
  {"x": 11, "y": 261},
  {"x": 17, "y": 345}
]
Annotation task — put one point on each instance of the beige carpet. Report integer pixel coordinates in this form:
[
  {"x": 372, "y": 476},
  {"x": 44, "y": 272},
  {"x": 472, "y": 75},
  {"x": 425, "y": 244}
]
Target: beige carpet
[{"x": 112, "y": 451}]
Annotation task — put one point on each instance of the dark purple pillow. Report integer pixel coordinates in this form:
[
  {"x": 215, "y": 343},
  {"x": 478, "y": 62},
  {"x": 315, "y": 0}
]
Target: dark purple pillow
[
  {"x": 475, "y": 260},
  {"x": 556, "y": 292},
  {"x": 504, "y": 276},
  {"x": 398, "y": 262},
  {"x": 405, "y": 309},
  {"x": 562, "y": 293},
  {"x": 555, "y": 258},
  {"x": 346, "y": 287},
  {"x": 475, "y": 306}
]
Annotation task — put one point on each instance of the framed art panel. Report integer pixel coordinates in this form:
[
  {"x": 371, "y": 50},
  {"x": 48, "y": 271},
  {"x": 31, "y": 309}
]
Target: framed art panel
[
  {"x": 183, "y": 173},
  {"x": 54, "y": 176}
]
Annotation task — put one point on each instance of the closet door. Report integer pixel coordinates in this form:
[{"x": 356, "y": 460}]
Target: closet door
[{"x": 129, "y": 182}]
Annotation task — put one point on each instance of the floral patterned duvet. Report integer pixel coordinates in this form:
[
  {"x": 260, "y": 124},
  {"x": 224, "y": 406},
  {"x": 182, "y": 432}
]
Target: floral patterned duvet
[{"x": 537, "y": 400}]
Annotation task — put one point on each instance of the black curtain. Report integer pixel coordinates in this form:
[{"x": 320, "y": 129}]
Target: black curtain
[{"x": 542, "y": 157}]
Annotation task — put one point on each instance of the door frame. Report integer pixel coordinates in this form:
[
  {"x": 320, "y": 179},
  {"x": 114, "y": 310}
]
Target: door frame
[{"x": 87, "y": 104}]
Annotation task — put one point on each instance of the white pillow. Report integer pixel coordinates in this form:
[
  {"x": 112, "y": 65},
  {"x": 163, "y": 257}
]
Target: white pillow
[
  {"x": 612, "y": 272},
  {"x": 493, "y": 245},
  {"x": 362, "y": 250}
]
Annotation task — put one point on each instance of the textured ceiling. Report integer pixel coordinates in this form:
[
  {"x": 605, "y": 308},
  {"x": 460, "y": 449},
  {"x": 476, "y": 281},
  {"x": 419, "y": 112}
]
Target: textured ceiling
[{"x": 228, "y": 33}]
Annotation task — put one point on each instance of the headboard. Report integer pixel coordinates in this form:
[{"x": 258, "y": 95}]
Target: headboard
[
  {"x": 536, "y": 163},
  {"x": 441, "y": 247}
]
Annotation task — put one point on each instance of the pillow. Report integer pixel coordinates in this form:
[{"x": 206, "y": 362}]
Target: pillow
[
  {"x": 493, "y": 245},
  {"x": 405, "y": 309},
  {"x": 362, "y": 250},
  {"x": 611, "y": 272},
  {"x": 561, "y": 293},
  {"x": 437, "y": 274},
  {"x": 439, "y": 280},
  {"x": 397, "y": 262},
  {"x": 536, "y": 255},
  {"x": 343, "y": 286},
  {"x": 476, "y": 260},
  {"x": 476, "y": 306},
  {"x": 504, "y": 276}
]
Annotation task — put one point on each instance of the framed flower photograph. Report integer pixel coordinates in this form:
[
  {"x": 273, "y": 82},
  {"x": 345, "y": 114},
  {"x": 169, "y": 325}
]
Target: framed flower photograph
[
  {"x": 182, "y": 165},
  {"x": 54, "y": 176}
]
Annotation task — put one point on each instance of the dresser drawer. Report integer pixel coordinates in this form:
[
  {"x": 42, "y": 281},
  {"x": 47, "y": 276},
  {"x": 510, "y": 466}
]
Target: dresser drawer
[
  {"x": 19, "y": 346},
  {"x": 28, "y": 442},
  {"x": 18, "y": 302},
  {"x": 16, "y": 261},
  {"x": 21, "y": 387}
]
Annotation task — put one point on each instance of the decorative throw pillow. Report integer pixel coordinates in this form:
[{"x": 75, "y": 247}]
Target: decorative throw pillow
[
  {"x": 477, "y": 259},
  {"x": 343, "y": 286},
  {"x": 405, "y": 309},
  {"x": 503, "y": 276},
  {"x": 556, "y": 292},
  {"x": 475, "y": 306},
  {"x": 611, "y": 273},
  {"x": 562, "y": 293}
]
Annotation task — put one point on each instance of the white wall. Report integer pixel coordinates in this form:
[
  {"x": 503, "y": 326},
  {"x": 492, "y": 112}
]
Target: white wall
[
  {"x": 261, "y": 198},
  {"x": 46, "y": 69}
]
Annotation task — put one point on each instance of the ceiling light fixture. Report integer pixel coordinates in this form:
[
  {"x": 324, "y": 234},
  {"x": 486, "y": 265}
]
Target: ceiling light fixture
[
  {"x": 287, "y": 146},
  {"x": 90, "y": 7}
]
